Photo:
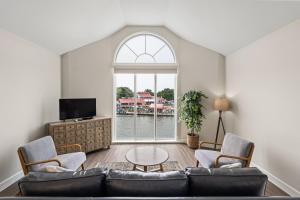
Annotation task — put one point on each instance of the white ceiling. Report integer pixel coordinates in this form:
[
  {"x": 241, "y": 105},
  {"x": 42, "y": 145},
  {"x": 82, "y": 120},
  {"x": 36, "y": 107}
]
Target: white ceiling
[{"x": 220, "y": 25}]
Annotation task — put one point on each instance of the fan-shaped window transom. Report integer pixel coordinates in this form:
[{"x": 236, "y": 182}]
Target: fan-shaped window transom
[{"x": 145, "y": 48}]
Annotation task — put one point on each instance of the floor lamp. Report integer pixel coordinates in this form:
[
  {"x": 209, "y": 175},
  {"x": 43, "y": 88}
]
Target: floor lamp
[{"x": 221, "y": 104}]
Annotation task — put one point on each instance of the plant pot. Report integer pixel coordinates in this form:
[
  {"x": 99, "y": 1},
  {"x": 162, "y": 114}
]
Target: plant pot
[{"x": 192, "y": 141}]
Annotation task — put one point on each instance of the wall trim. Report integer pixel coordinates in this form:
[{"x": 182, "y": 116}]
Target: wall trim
[
  {"x": 10, "y": 180},
  {"x": 278, "y": 182}
]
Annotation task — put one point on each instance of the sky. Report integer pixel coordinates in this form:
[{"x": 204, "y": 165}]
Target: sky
[{"x": 146, "y": 81}]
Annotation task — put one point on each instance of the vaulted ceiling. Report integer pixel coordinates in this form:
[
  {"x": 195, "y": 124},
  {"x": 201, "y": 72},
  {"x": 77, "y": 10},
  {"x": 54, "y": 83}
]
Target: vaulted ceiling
[{"x": 220, "y": 25}]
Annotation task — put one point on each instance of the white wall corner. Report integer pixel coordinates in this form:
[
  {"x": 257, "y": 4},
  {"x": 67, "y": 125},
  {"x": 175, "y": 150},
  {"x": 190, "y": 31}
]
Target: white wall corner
[
  {"x": 10, "y": 180},
  {"x": 278, "y": 182}
]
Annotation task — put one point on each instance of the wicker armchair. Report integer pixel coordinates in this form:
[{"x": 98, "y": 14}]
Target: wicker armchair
[
  {"x": 38, "y": 154},
  {"x": 233, "y": 150}
]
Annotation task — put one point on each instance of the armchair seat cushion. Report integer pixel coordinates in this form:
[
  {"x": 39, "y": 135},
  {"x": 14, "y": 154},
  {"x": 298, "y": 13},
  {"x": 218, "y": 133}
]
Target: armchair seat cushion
[
  {"x": 72, "y": 160},
  {"x": 207, "y": 158}
]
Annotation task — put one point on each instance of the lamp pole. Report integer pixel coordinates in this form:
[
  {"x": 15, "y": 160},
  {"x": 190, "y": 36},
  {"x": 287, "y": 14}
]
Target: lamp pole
[{"x": 220, "y": 121}]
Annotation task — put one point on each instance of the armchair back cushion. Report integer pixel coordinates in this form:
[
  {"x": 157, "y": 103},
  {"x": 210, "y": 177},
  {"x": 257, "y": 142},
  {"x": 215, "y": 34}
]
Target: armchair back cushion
[
  {"x": 235, "y": 146},
  {"x": 88, "y": 183},
  {"x": 139, "y": 184},
  {"x": 37, "y": 150}
]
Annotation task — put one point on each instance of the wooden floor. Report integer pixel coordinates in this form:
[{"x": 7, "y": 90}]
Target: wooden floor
[{"x": 177, "y": 152}]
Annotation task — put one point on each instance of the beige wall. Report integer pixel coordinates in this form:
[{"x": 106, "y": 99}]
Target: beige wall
[
  {"x": 263, "y": 81},
  {"x": 30, "y": 89},
  {"x": 88, "y": 72}
]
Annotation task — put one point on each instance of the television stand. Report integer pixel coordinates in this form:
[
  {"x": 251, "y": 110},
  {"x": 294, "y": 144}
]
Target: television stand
[{"x": 91, "y": 134}]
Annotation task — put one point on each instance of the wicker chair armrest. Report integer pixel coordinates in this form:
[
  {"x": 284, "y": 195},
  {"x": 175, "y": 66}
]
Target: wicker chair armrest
[
  {"x": 229, "y": 156},
  {"x": 78, "y": 146},
  {"x": 44, "y": 161},
  {"x": 204, "y": 142}
]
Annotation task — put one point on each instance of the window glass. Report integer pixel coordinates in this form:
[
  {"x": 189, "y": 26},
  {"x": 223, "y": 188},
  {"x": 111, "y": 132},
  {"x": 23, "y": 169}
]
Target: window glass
[
  {"x": 145, "y": 48},
  {"x": 125, "y": 55}
]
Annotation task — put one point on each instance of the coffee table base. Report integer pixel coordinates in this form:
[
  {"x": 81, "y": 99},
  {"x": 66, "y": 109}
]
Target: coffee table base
[{"x": 145, "y": 168}]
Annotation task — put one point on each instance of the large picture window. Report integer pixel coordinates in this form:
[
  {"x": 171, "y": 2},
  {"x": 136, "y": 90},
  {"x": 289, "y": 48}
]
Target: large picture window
[{"x": 145, "y": 98}]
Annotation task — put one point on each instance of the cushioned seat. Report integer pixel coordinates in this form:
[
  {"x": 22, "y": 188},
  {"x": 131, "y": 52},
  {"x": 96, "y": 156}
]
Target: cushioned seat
[
  {"x": 208, "y": 158},
  {"x": 72, "y": 160}
]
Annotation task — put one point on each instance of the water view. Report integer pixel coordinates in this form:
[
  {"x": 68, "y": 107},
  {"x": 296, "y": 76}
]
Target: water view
[{"x": 145, "y": 127}]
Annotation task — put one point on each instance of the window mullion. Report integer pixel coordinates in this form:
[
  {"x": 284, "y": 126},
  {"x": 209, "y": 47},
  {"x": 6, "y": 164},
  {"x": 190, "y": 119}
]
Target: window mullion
[
  {"x": 145, "y": 44},
  {"x": 131, "y": 50},
  {"x": 159, "y": 50},
  {"x": 155, "y": 107},
  {"x": 135, "y": 107}
]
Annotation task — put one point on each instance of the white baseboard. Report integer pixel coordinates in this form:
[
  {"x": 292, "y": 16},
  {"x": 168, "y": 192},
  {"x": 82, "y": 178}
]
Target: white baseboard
[
  {"x": 7, "y": 182},
  {"x": 278, "y": 182}
]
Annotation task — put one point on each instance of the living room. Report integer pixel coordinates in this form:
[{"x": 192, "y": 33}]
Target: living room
[{"x": 154, "y": 89}]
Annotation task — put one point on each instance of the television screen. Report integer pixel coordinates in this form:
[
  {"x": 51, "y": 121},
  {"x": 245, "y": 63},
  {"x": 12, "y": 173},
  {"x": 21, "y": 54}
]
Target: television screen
[{"x": 77, "y": 108}]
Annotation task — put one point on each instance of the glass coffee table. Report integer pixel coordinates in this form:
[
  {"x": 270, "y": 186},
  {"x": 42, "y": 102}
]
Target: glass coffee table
[{"x": 147, "y": 156}]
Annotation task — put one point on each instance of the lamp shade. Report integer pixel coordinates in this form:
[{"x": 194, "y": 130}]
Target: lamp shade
[{"x": 221, "y": 103}]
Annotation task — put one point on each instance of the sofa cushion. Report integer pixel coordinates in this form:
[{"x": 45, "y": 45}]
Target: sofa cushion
[
  {"x": 72, "y": 160},
  {"x": 226, "y": 182},
  {"x": 154, "y": 184},
  {"x": 88, "y": 183}
]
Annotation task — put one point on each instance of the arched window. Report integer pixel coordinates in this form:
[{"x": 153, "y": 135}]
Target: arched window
[{"x": 145, "y": 48}]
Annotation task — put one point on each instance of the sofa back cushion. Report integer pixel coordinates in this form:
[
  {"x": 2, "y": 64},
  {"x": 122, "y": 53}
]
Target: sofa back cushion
[
  {"x": 151, "y": 184},
  {"x": 226, "y": 182},
  {"x": 88, "y": 183}
]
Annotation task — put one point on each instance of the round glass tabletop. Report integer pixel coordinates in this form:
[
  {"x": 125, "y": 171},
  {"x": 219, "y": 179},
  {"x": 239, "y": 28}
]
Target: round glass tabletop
[{"x": 147, "y": 156}]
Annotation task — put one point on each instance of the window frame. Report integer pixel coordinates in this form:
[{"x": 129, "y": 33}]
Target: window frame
[{"x": 143, "y": 68}]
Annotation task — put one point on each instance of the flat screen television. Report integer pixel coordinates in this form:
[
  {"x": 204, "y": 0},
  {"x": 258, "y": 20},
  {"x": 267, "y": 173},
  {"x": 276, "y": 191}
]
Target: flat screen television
[{"x": 77, "y": 108}]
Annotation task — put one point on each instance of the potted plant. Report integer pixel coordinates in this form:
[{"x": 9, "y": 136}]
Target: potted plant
[{"x": 190, "y": 112}]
